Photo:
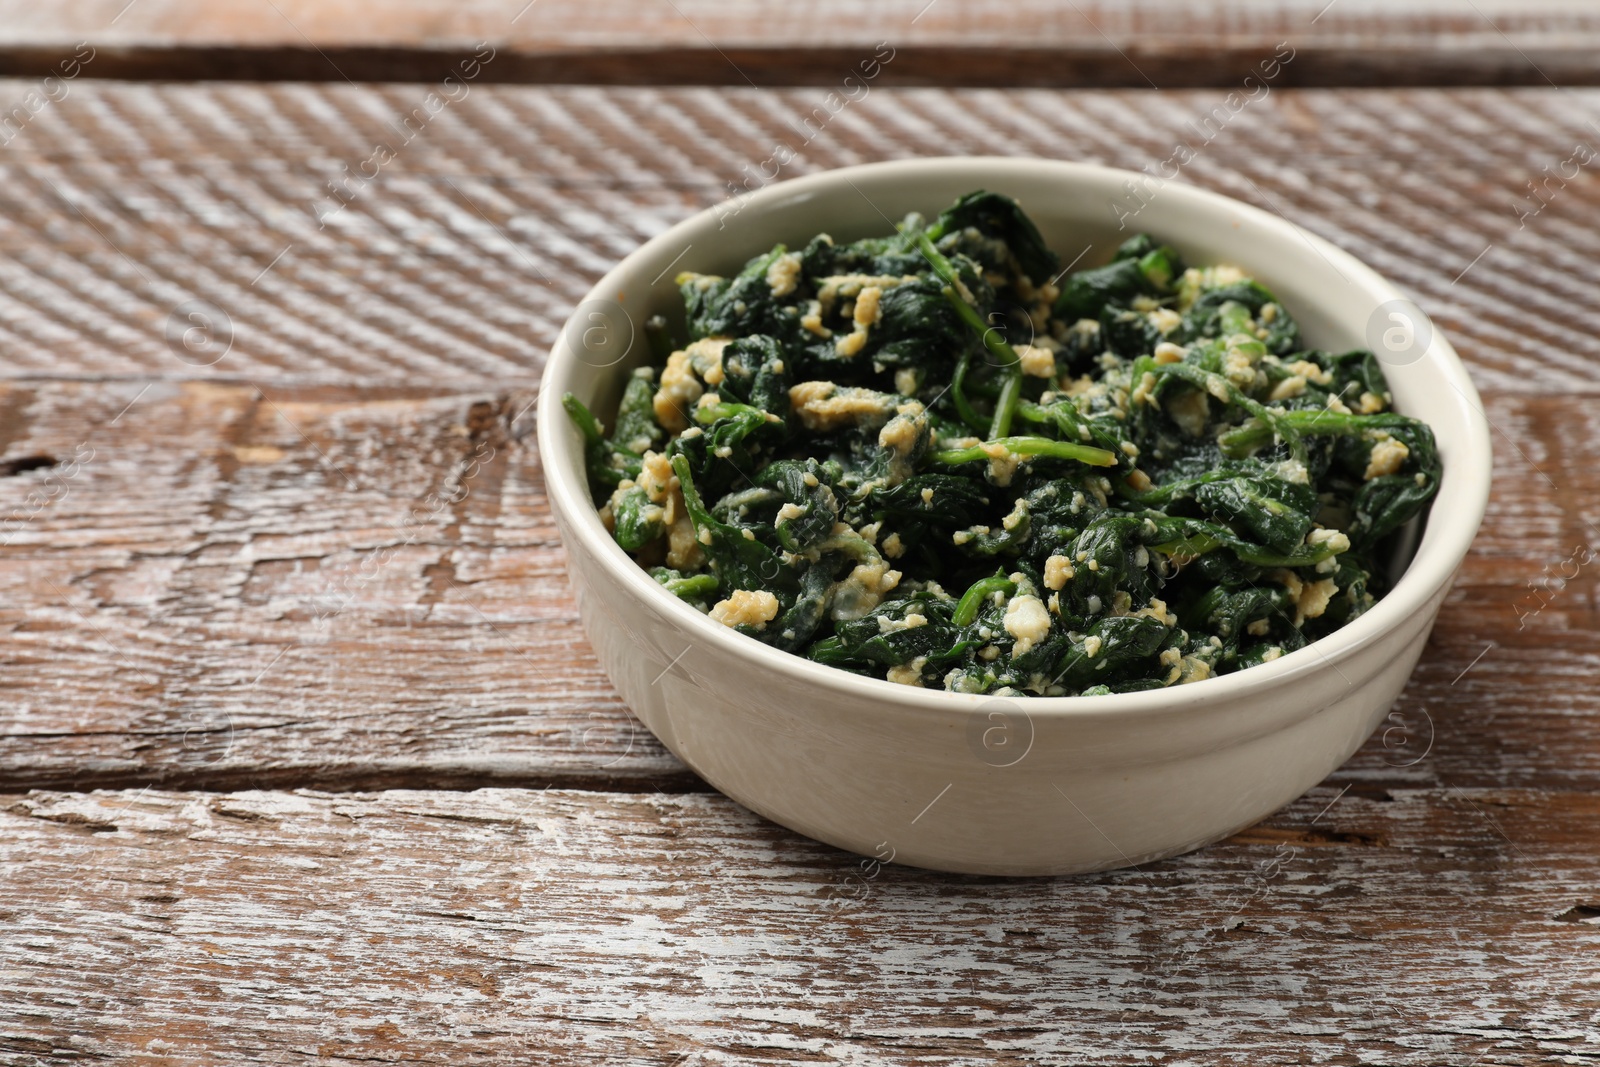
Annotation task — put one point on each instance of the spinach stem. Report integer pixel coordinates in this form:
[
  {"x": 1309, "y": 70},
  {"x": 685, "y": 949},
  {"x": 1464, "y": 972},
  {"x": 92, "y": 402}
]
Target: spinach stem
[
  {"x": 583, "y": 418},
  {"x": 691, "y": 586},
  {"x": 1217, "y": 385},
  {"x": 1028, "y": 446},
  {"x": 1006, "y": 406},
  {"x": 972, "y": 600},
  {"x": 958, "y": 393},
  {"x": 1311, "y": 423},
  {"x": 1010, "y": 364}
]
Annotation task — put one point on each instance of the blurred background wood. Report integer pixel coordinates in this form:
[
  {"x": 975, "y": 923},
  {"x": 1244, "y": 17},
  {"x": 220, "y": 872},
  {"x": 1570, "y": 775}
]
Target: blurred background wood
[{"x": 1095, "y": 43}]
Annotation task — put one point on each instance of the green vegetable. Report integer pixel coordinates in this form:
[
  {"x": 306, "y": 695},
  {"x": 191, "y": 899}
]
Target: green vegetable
[
  {"x": 1139, "y": 268},
  {"x": 1011, "y": 381},
  {"x": 1029, "y": 446},
  {"x": 636, "y": 421},
  {"x": 927, "y": 458},
  {"x": 692, "y": 587},
  {"x": 1002, "y": 228},
  {"x": 607, "y": 463},
  {"x": 737, "y": 560}
]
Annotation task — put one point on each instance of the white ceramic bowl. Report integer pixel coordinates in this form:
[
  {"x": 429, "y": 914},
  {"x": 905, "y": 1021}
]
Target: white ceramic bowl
[{"x": 977, "y": 784}]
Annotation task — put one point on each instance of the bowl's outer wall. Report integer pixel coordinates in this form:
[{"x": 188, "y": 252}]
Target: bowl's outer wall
[
  {"x": 849, "y": 761},
  {"x": 1081, "y": 794}
]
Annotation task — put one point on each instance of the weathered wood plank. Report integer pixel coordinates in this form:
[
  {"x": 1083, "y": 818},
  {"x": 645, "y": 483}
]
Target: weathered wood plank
[
  {"x": 1168, "y": 43},
  {"x": 217, "y": 566},
  {"x": 509, "y": 926},
  {"x": 460, "y": 260},
  {"x": 222, "y": 586}
]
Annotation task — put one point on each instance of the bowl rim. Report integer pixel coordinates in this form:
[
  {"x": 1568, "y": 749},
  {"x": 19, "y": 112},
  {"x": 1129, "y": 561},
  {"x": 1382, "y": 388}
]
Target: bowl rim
[{"x": 1454, "y": 518}]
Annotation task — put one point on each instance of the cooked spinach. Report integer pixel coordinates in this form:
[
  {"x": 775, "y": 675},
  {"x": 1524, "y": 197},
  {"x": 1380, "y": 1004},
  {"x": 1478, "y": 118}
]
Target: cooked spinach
[{"x": 927, "y": 457}]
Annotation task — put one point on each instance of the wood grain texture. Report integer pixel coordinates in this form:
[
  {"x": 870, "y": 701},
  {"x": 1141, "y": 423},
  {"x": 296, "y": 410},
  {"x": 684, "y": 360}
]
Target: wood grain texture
[
  {"x": 461, "y": 258},
  {"x": 230, "y": 585},
  {"x": 511, "y": 926},
  {"x": 325, "y": 559},
  {"x": 1096, "y": 43}
]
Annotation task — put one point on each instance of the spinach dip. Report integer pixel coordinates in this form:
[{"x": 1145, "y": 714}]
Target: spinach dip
[{"x": 934, "y": 458}]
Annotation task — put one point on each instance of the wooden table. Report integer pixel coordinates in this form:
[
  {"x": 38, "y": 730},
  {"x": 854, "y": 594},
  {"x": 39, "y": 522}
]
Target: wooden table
[
  {"x": 1140, "y": 44},
  {"x": 305, "y": 758}
]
